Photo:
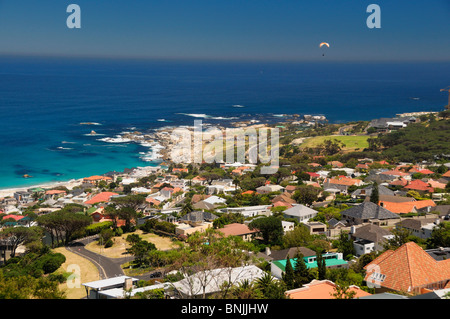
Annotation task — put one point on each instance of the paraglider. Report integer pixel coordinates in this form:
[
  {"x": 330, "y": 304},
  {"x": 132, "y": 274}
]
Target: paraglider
[{"x": 324, "y": 44}]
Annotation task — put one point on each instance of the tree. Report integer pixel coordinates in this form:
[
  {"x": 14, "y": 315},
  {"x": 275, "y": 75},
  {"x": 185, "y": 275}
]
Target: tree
[
  {"x": 302, "y": 274},
  {"x": 374, "y": 196},
  {"x": 129, "y": 214},
  {"x": 321, "y": 266},
  {"x": 270, "y": 288},
  {"x": 342, "y": 291},
  {"x": 21, "y": 235},
  {"x": 440, "y": 236},
  {"x": 306, "y": 194},
  {"x": 401, "y": 236},
  {"x": 140, "y": 250},
  {"x": 345, "y": 245},
  {"x": 288, "y": 275},
  {"x": 270, "y": 227},
  {"x": 300, "y": 236}
]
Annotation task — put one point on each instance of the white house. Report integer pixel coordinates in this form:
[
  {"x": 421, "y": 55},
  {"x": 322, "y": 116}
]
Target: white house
[
  {"x": 300, "y": 212},
  {"x": 248, "y": 211}
]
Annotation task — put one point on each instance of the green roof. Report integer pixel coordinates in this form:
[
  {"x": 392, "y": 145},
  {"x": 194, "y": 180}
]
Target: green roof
[{"x": 328, "y": 262}]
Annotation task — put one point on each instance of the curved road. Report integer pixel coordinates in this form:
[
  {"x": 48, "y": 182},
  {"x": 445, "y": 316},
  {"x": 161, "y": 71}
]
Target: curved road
[{"x": 108, "y": 267}]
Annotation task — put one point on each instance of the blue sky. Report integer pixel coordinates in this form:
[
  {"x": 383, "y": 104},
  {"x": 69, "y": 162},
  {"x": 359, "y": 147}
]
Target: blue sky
[{"x": 230, "y": 30}]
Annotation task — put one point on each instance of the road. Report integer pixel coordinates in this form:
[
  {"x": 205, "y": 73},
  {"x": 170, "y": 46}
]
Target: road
[{"x": 108, "y": 267}]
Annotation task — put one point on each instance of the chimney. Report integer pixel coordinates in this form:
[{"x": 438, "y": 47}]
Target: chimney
[
  {"x": 268, "y": 252},
  {"x": 128, "y": 284},
  {"x": 352, "y": 229}
]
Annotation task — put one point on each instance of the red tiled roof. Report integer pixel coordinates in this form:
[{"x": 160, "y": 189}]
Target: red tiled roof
[
  {"x": 312, "y": 174},
  {"x": 407, "y": 207},
  {"x": 323, "y": 289},
  {"x": 101, "y": 197},
  {"x": 395, "y": 173},
  {"x": 236, "y": 229},
  {"x": 400, "y": 182},
  {"x": 446, "y": 174},
  {"x": 54, "y": 191},
  {"x": 97, "y": 178},
  {"x": 419, "y": 185},
  {"x": 408, "y": 269},
  {"x": 15, "y": 217}
]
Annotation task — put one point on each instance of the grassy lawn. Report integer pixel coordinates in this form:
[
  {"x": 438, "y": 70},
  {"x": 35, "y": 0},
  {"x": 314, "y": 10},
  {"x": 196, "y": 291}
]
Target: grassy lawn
[
  {"x": 118, "y": 249},
  {"x": 88, "y": 272},
  {"x": 352, "y": 142}
]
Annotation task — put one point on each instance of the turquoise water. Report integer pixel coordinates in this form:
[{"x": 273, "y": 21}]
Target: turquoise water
[{"x": 43, "y": 102}]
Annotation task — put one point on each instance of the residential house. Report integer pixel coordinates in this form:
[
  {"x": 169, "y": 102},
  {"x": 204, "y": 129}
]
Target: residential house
[
  {"x": 300, "y": 212},
  {"x": 102, "y": 197},
  {"x": 94, "y": 288},
  {"x": 408, "y": 269},
  {"x": 322, "y": 289},
  {"x": 287, "y": 226},
  {"x": 363, "y": 193},
  {"x": 248, "y": 211},
  {"x": 197, "y": 217},
  {"x": 209, "y": 203},
  {"x": 369, "y": 238},
  {"x": 23, "y": 197},
  {"x": 207, "y": 282},
  {"x": 419, "y": 186},
  {"x": 316, "y": 228},
  {"x": 54, "y": 193},
  {"x": 341, "y": 183},
  {"x": 368, "y": 212},
  {"x": 332, "y": 260},
  {"x": 446, "y": 176},
  {"x": 97, "y": 178},
  {"x": 292, "y": 252},
  {"x": 421, "y": 228},
  {"x": 265, "y": 189},
  {"x": 442, "y": 210},
  {"x": 395, "y": 174},
  {"x": 237, "y": 229},
  {"x": 336, "y": 164},
  {"x": 416, "y": 206}
]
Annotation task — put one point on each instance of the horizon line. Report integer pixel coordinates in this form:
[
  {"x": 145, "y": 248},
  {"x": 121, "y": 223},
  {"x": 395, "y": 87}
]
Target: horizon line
[{"x": 213, "y": 59}]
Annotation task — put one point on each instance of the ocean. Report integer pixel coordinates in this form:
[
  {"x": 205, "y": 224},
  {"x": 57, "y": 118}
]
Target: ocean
[{"x": 45, "y": 101}]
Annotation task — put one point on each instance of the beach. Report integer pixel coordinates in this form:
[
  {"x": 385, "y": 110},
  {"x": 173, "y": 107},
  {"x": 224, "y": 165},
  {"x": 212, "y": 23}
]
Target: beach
[{"x": 9, "y": 192}]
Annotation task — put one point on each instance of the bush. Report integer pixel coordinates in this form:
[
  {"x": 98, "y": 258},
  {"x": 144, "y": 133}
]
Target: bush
[
  {"x": 109, "y": 243},
  {"x": 94, "y": 229}
]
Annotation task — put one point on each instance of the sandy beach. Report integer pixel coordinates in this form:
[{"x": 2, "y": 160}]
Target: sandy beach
[{"x": 69, "y": 185}]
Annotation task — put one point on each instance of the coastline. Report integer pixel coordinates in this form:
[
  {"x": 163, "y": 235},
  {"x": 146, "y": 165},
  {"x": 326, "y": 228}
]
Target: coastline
[{"x": 69, "y": 184}]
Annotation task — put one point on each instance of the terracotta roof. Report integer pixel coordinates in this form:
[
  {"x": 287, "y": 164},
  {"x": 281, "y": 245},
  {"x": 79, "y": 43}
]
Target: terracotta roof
[
  {"x": 312, "y": 174},
  {"x": 280, "y": 203},
  {"x": 236, "y": 229},
  {"x": 408, "y": 269},
  {"x": 344, "y": 181},
  {"x": 395, "y": 173},
  {"x": 436, "y": 184},
  {"x": 15, "y": 217},
  {"x": 97, "y": 178},
  {"x": 419, "y": 185},
  {"x": 54, "y": 191},
  {"x": 101, "y": 197},
  {"x": 399, "y": 182},
  {"x": 407, "y": 207},
  {"x": 321, "y": 290},
  {"x": 446, "y": 174}
]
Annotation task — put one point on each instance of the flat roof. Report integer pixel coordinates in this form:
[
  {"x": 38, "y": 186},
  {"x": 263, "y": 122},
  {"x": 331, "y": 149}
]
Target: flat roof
[
  {"x": 328, "y": 262},
  {"x": 109, "y": 282}
]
